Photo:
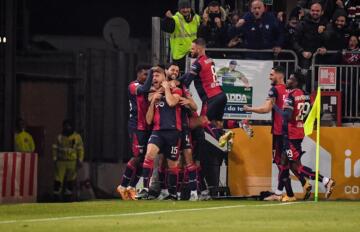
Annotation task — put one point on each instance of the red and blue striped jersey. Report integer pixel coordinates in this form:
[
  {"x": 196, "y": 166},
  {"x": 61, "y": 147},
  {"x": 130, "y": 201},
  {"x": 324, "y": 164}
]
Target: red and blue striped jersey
[
  {"x": 296, "y": 101},
  {"x": 206, "y": 82},
  {"x": 166, "y": 117},
  {"x": 277, "y": 93},
  {"x": 139, "y": 105}
]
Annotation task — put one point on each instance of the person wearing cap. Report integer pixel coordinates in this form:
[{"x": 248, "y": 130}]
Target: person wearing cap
[
  {"x": 183, "y": 27},
  {"x": 229, "y": 75}
]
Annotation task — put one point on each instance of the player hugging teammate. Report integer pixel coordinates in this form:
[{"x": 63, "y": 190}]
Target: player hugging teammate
[{"x": 159, "y": 125}]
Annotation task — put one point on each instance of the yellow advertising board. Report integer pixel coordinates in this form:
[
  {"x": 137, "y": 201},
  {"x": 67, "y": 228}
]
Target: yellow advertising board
[{"x": 251, "y": 169}]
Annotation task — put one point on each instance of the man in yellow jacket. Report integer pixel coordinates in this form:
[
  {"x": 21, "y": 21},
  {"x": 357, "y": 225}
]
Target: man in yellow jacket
[
  {"x": 23, "y": 140},
  {"x": 183, "y": 27},
  {"x": 68, "y": 154}
]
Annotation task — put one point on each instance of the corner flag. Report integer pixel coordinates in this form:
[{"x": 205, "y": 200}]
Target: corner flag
[
  {"x": 308, "y": 129},
  {"x": 309, "y": 123}
]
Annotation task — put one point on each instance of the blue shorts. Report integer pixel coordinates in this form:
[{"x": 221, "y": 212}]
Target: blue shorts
[
  {"x": 168, "y": 141},
  {"x": 214, "y": 107},
  {"x": 138, "y": 141}
]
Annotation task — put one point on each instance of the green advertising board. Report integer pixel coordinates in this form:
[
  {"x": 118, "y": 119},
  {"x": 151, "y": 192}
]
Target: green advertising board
[{"x": 237, "y": 97}]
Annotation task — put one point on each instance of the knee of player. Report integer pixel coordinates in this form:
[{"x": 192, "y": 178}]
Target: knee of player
[{"x": 172, "y": 164}]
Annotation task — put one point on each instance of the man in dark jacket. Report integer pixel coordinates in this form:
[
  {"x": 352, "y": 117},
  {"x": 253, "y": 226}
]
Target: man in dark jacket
[
  {"x": 261, "y": 30},
  {"x": 309, "y": 37},
  {"x": 336, "y": 36}
]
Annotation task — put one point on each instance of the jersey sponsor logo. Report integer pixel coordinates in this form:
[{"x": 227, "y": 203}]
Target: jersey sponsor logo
[
  {"x": 214, "y": 84},
  {"x": 209, "y": 61}
]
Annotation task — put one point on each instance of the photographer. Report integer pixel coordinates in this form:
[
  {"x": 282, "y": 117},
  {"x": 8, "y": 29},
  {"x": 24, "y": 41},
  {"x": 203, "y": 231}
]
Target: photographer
[{"x": 214, "y": 27}]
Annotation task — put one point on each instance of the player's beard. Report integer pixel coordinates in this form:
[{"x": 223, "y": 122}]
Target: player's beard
[
  {"x": 274, "y": 82},
  {"x": 172, "y": 77},
  {"x": 194, "y": 55}
]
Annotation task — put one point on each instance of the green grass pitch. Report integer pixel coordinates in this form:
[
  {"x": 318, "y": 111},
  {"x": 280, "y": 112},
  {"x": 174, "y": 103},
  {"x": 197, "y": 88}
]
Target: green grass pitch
[{"x": 241, "y": 215}]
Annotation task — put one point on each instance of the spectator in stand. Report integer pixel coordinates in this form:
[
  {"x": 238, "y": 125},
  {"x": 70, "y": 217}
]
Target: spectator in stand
[
  {"x": 290, "y": 31},
  {"x": 336, "y": 36},
  {"x": 281, "y": 16},
  {"x": 351, "y": 55},
  {"x": 183, "y": 28},
  {"x": 353, "y": 9},
  {"x": 261, "y": 30},
  {"x": 235, "y": 41},
  {"x": 309, "y": 38},
  {"x": 329, "y": 6},
  {"x": 214, "y": 26}
]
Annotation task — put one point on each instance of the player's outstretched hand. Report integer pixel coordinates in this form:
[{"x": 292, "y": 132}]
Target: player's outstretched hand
[
  {"x": 246, "y": 108},
  {"x": 168, "y": 14}
]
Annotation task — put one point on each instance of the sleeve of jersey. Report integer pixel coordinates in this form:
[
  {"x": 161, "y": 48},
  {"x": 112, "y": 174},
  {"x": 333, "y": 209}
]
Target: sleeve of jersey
[
  {"x": 289, "y": 102},
  {"x": 177, "y": 91},
  {"x": 195, "y": 68},
  {"x": 272, "y": 93},
  {"x": 141, "y": 89},
  {"x": 186, "y": 92},
  {"x": 132, "y": 88}
]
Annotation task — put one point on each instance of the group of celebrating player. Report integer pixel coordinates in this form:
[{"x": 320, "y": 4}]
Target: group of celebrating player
[
  {"x": 164, "y": 123},
  {"x": 289, "y": 106}
]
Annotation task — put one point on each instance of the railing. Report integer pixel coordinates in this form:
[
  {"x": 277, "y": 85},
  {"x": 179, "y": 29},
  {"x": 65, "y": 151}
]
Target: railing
[{"x": 347, "y": 82}]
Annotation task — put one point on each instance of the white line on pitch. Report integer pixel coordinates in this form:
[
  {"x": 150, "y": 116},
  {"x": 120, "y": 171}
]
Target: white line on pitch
[{"x": 139, "y": 213}]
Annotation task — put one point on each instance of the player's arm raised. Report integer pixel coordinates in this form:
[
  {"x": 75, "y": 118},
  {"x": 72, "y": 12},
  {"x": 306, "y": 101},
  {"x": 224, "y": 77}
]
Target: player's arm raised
[
  {"x": 171, "y": 99},
  {"x": 141, "y": 89},
  {"x": 265, "y": 108}
]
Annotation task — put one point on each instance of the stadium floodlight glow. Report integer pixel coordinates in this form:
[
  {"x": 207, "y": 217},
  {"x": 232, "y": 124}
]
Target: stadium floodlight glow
[{"x": 4, "y": 39}]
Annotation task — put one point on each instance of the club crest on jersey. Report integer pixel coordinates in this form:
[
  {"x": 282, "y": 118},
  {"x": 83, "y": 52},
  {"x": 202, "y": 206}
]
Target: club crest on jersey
[{"x": 159, "y": 104}]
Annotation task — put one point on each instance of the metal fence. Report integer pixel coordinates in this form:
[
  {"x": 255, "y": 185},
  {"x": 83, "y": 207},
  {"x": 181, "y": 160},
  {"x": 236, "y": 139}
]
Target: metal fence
[{"x": 347, "y": 83}]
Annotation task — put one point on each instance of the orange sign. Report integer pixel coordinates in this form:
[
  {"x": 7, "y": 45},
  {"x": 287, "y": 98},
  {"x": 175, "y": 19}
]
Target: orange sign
[{"x": 251, "y": 171}]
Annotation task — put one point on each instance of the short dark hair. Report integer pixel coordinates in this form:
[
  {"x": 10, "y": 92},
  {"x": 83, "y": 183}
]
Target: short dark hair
[
  {"x": 171, "y": 64},
  {"x": 140, "y": 67},
  {"x": 317, "y": 2},
  {"x": 214, "y": 3},
  {"x": 279, "y": 69},
  {"x": 300, "y": 78},
  {"x": 200, "y": 42},
  {"x": 252, "y": 1}
]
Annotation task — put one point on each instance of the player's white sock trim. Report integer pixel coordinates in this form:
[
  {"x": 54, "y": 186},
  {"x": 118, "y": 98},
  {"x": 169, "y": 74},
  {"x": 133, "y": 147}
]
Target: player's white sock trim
[{"x": 325, "y": 180}]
